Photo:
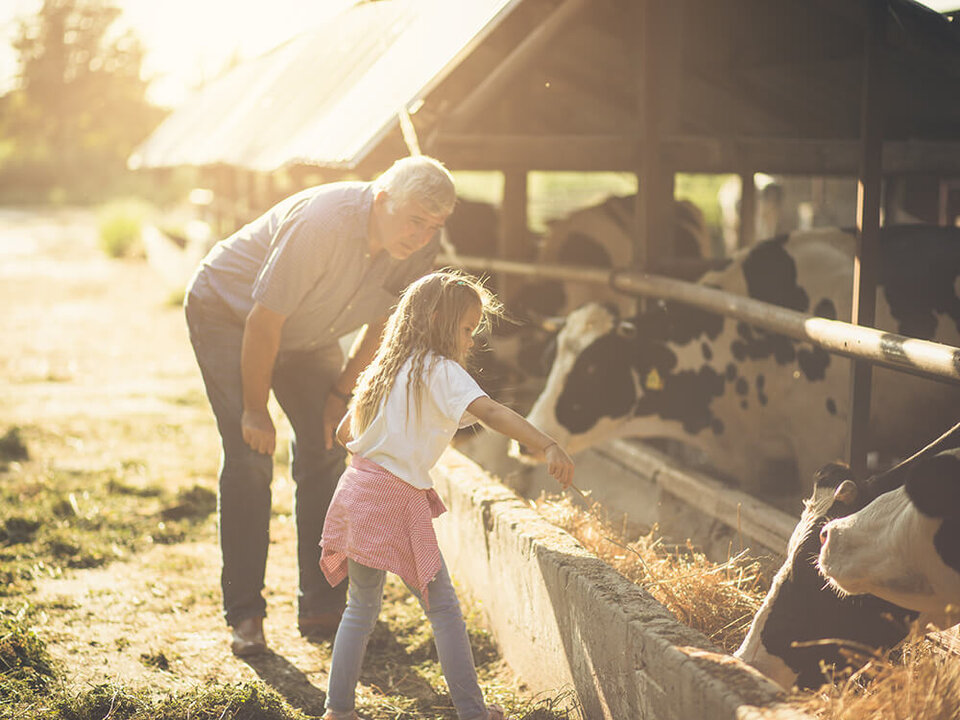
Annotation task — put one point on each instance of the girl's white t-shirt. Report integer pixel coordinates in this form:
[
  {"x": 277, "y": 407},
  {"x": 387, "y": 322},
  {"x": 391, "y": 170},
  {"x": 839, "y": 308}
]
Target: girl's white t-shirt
[{"x": 410, "y": 445}]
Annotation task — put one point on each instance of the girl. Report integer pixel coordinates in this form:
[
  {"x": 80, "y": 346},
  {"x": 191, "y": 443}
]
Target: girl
[{"x": 408, "y": 404}]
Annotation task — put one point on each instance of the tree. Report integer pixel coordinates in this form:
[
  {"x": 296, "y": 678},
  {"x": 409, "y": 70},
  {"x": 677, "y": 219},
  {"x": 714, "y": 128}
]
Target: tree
[{"x": 81, "y": 106}]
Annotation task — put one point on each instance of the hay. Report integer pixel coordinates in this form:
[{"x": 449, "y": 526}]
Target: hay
[
  {"x": 923, "y": 685},
  {"x": 719, "y": 600}
]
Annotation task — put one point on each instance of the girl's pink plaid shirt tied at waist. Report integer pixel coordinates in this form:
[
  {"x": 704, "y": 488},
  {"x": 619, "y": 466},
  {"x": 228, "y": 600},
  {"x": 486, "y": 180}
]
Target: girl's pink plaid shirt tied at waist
[{"x": 383, "y": 522}]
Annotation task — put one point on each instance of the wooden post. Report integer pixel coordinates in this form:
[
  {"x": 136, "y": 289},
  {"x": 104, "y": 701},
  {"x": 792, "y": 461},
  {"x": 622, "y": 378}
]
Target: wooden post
[
  {"x": 648, "y": 227},
  {"x": 868, "y": 227},
  {"x": 513, "y": 222}
]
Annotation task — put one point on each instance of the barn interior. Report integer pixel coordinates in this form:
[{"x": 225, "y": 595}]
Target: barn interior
[{"x": 819, "y": 94}]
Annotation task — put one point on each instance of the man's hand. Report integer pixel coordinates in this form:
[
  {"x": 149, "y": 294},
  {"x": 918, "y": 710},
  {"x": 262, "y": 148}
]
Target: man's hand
[
  {"x": 258, "y": 431},
  {"x": 333, "y": 411},
  {"x": 261, "y": 341}
]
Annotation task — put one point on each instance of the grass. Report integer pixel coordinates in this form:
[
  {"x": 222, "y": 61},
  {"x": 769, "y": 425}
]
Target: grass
[
  {"x": 401, "y": 679},
  {"x": 25, "y": 666},
  {"x": 53, "y": 519},
  {"x": 56, "y": 520},
  {"x": 239, "y": 701}
]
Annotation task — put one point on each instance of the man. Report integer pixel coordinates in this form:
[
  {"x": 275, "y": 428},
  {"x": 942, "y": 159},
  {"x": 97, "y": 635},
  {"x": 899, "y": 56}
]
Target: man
[{"x": 265, "y": 311}]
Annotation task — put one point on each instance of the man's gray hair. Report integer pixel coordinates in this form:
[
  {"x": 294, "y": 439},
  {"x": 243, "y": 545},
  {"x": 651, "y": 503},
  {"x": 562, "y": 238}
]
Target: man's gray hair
[{"x": 419, "y": 178}]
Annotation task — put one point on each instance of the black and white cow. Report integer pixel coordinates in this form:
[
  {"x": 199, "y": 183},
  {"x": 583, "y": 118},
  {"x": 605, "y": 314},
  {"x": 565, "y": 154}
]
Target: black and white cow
[
  {"x": 601, "y": 236},
  {"x": 760, "y": 406},
  {"x": 803, "y": 624},
  {"x": 904, "y": 546}
]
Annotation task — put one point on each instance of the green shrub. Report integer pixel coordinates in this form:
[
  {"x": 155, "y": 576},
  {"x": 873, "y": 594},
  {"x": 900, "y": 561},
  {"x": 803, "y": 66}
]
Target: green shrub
[{"x": 120, "y": 229}]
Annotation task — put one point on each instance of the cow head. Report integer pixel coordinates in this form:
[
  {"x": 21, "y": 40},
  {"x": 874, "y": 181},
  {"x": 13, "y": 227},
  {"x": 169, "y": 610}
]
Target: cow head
[
  {"x": 801, "y": 623},
  {"x": 613, "y": 377},
  {"x": 905, "y": 545},
  {"x": 592, "y": 384}
]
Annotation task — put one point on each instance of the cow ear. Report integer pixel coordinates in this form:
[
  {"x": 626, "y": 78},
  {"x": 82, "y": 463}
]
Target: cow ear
[
  {"x": 933, "y": 485},
  {"x": 847, "y": 492},
  {"x": 553, "y": 324}
]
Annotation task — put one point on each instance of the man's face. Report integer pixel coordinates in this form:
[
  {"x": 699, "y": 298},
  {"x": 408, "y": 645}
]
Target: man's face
[{"x": 405, "y": 227}]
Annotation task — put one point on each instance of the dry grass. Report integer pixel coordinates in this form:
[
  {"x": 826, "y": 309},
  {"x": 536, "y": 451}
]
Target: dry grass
[
  {"x": 719, "y": 600},
  {"x": 923, "y": 685}
]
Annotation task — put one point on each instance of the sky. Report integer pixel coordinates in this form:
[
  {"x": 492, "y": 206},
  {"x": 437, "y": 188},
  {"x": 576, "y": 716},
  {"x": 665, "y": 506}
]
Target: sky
[{"x": 188, "y": 41}]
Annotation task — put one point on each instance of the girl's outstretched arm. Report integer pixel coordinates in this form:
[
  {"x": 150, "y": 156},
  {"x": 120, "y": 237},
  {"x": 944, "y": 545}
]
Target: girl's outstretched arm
[{"x": 505, "y": 421}]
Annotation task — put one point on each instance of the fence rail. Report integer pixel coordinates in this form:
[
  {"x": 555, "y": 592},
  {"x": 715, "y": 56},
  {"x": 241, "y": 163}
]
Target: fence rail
[{"x": 908, "y": 354}]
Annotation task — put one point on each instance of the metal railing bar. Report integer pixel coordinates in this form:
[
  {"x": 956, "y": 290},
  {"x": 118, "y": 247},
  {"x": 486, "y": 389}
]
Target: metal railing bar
[{"x": 922, "y": 357}]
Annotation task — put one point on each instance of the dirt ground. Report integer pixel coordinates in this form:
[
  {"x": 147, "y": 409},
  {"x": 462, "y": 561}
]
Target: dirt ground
[{"x": 97, "y": 371}]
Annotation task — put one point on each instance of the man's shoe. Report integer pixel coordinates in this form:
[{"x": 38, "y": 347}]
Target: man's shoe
[
  {"x": 248, "y": 638},
  {"x": 320, "y": 626}
]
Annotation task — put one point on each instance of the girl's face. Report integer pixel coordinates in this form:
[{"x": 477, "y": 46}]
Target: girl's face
[{"x": 469, "y": 322}]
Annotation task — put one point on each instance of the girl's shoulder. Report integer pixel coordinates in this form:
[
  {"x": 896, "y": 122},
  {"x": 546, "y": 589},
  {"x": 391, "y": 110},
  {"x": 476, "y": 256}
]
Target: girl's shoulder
[{"x": 440, "y": 368}]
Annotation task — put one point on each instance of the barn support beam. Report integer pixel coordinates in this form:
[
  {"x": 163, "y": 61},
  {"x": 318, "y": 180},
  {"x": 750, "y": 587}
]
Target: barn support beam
[
  {"x": 513, "y": 222},
  {"x": 648, "y": 223},
  {"x": 518, "y": 59},
  {"x": 689, "y": 154},
  {"x": 868, "y": 229}
]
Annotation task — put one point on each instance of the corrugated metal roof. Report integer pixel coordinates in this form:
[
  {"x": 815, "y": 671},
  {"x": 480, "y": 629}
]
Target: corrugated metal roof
[{"x": 328, "y": 95}]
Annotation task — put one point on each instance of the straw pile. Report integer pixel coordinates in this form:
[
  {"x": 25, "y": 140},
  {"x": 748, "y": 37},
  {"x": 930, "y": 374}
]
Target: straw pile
[
  {"x": 719, "y": 600},
  {"x": 923, "y": 685}
]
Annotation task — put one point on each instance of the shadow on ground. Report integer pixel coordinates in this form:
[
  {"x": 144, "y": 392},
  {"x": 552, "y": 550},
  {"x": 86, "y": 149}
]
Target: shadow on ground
[{"x": 288, "y": 680}]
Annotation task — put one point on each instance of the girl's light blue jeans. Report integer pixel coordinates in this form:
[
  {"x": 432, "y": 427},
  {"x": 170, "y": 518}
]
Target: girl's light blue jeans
[{"x": 364, "y": 598}]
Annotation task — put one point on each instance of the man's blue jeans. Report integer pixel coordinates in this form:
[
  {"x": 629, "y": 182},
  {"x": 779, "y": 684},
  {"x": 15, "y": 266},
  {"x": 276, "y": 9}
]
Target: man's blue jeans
[
  {"x": 449, "y": 633},
  {"x": 301, "y": 381}
]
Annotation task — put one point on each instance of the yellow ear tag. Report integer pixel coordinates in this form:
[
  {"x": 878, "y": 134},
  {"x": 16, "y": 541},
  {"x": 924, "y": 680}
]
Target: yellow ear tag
[{"x": 653, "y": 381}]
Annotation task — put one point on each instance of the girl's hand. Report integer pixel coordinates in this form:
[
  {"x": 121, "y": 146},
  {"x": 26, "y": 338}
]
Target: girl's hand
[
  {"x": 333, "y": 412},
  {"x": 343, "y": 430},
  {"x": 559, "y": 465}
]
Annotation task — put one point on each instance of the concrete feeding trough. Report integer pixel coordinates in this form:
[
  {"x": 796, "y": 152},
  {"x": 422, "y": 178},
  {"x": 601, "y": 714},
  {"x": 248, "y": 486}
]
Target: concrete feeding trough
[{"x": 565, "y": 620}]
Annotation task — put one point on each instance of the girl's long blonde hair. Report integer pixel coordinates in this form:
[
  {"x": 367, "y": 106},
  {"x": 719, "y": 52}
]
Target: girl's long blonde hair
[{"x": 427, "y": 318}]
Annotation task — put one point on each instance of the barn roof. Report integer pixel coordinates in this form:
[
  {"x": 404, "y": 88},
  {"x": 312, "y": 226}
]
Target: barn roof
[
  {"x": 769, "y": 85},
  {"x": 328, "y": 94}
]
